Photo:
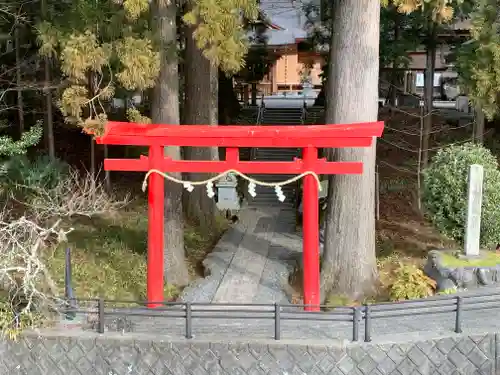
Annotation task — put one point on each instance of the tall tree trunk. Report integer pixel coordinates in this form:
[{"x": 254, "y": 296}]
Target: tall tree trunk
[
  {"x": 92, "y": 86},
  {"x": 396, "y": 74},
  {"x": 349, "y": 263},
  {"x": 49, "y": 119},
  {"x": 200, "y": 108},
  {"x": 20, "y": 101},
  {"x": 229, "y": 107},
  {"x": 478, "y": 129},
  {"x": 254, "y": 93},
  {"x": 430, "y": 62},
  {"x": 165, "y": 110}
]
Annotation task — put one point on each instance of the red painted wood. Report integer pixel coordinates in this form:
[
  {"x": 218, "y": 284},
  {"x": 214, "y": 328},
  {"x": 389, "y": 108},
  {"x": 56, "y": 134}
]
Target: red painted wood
[
  {"x": 247, "y": 167},
  {"x": 310, "y": 243},
  {"x": 242, "y": 136},
  {"x": 156, "y": 200},
  {"x": 276, "y": 141},
  {"x": 232, "y": 156}
]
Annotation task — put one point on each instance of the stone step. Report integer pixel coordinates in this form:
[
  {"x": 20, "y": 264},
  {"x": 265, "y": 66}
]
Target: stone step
[
  {"x": 281, "y": 123},
  {"x": 289, "y": 151},
  {"x": 280, "y": 116},
  {"x": 274, "y": 179},
  {"x": 277, "y": 158},
  {"x": 272, "y": 198},
  {"x": 283, "y": 152},
  {"x": 280, "y": 120}
]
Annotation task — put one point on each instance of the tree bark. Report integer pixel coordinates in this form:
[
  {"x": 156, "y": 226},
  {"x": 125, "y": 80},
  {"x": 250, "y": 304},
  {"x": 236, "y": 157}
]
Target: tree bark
[
  {"x": 49, "y": 126},
  {"x": 254, "y": 93},
  {"x": 92, "y": 87},
  {"x": 229, "y": 107},
  {"x": 165, "y": 110},
  {"x": 478, "y": 129},
  {"x": 430, "y": 62},
  {"x": 395, "y": 75},
  {"x": 20, "y": 101},
  {"x": 349, "y": 262},
  {"x": 200, "y": 108}
]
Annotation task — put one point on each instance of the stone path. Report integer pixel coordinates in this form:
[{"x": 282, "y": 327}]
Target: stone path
[{"x": 253, "y": 260}]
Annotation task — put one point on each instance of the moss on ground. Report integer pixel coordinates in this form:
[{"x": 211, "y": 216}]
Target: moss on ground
[
  {"x": 109, "y": 256},
  {"x": 486, "y": 259}
]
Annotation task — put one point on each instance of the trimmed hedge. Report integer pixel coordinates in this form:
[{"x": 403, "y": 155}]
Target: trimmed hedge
[{"x": 445, "y": 191}]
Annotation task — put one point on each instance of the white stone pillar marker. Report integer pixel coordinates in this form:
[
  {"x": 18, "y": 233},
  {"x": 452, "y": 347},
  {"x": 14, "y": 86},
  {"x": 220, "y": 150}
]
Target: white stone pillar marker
[{"x": 474, "y": 203}]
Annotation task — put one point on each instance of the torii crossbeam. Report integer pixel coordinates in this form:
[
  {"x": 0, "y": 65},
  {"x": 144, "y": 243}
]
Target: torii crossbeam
[{"x": 307, "y": 138}]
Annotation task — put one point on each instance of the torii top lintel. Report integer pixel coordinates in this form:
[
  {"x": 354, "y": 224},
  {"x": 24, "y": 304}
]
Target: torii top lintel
[{"x": 321, "y": 136}]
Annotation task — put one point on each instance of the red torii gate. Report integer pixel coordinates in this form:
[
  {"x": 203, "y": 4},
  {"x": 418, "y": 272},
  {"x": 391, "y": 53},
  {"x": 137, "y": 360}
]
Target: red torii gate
[{"x": 307, "y": 138}]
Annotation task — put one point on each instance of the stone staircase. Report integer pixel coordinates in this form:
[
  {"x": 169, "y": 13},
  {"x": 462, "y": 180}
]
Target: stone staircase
[
  {"x": 314, "y": 116},
  {"x": 247, "y": 116},
  {"x": 282, "y": 116},
  {"x": 266, "y": 197}
]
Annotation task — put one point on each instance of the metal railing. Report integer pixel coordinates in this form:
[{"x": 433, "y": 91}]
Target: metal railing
[
  {"x": 361, "y": 317},
  {"x": 260, "y": 113},
  {"x": 303, "y": 114}
]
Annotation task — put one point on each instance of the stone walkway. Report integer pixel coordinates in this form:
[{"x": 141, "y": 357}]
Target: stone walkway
[
  {"x": 252, "y": 261},
  {"x": 254, "y": 258}
]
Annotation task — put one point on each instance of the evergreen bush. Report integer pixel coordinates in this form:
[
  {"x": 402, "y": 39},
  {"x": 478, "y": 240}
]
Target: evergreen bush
[{"x": 445, "y": 191}]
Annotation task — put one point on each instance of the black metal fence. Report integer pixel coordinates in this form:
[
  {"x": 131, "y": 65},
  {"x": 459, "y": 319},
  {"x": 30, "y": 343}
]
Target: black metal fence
[{"x": 361, "y": 317}]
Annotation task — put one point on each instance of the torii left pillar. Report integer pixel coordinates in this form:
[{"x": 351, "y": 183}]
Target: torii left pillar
[{"x": 156, "y": 207}]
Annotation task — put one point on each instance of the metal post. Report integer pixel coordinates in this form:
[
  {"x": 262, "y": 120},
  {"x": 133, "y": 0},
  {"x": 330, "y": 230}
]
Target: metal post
[
  {"x": 68, "y": 289},
  {"x": 356, "y": 317},
  {"x": 189, "y": 329},
  {"x": 156, "y": 201},
  {"x": 277, "y": 321},
  {"x": 310, "y": 225},
  {"x": 100, "y": 315},
  {"x": 458, "y": 315},
  {"x": 368, "y": 323}
]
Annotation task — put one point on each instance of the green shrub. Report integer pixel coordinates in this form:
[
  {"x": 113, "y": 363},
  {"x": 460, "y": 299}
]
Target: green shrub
[
  {"x": 41, "y": 172},
  {"x": 10, "y": 147},
  {"x": 445, "y": 191},
  {"x": 448, "y": 291},
  {"x": 410, "y": 282}
]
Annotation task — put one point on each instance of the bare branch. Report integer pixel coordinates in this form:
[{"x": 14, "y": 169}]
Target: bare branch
[
  {"x": 24, "y": 277},
  {"x": 75, "y": 196}
]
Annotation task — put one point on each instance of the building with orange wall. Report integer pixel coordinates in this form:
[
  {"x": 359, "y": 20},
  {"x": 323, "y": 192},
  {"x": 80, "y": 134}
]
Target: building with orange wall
[
  {"x": 295, "y": 65},
  {"x": 297, "y": 62}
]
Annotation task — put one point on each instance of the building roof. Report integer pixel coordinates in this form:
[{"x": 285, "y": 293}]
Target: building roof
[
  {"x": 461, "y": 25},
  {"x": 287, "y": 22},
  {"x": 289, "y": 19}
]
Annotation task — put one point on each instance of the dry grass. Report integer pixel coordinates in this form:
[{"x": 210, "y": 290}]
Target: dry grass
[{"x": 109, "y": 256}]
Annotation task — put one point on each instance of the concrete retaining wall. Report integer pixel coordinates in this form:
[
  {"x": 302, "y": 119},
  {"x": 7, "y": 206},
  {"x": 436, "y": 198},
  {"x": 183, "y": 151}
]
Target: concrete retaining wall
[{"x": 89, "y": 354}]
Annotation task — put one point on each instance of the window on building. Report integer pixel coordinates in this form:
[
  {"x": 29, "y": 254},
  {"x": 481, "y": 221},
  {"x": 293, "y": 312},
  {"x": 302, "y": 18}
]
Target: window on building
[{"x": 419, "y": 80}]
